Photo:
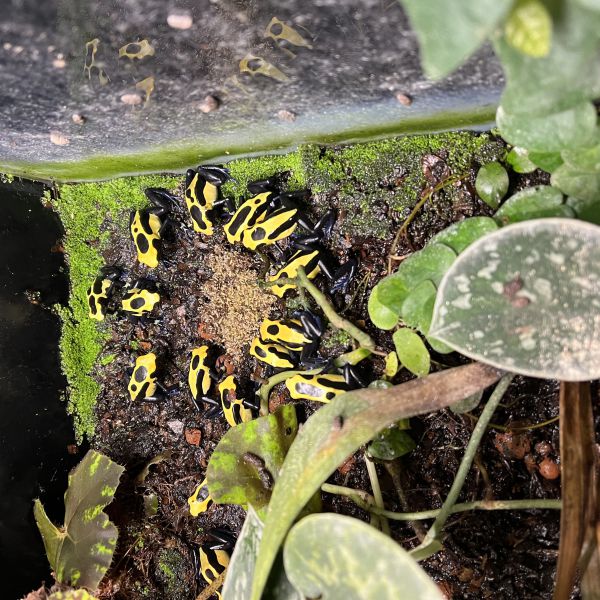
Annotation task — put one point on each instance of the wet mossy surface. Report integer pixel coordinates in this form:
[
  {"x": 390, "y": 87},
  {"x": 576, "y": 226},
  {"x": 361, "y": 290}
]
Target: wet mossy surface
[{"x": 373, "y": 188}]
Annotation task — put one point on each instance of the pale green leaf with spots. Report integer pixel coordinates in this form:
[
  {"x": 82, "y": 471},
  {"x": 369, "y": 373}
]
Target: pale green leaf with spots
[
  {"x": 81, "y": 551},
  {"x": 331, "y": 556},
  {"x": 527, "y": 299},
  {"x": 246, "y": 461}
]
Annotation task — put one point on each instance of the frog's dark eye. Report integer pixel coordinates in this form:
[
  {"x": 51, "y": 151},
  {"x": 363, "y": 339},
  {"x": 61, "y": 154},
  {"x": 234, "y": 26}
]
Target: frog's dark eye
[
  {"x": 276, "y": 28},
  {"x": 137, "y": 303},
  {"x": 140, "y": 374},
  {"x": 255, "y": 64},
  {"x": 259, "y": 234},
  {"x": 273, "y": 330}
]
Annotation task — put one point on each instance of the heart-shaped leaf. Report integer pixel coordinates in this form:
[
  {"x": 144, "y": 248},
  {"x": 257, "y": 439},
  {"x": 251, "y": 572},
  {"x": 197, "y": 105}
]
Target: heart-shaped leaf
[
  {"x": 527, "y": 299},
  {"x": 462, "y": 234},
  {"x": 81, "y": 551},
  {"x": 246, "y": 462},
  {"x": 529, "y": 28},
  {"x": 381, "y": 315},
  {"x": 492, "y": 183},
  {"x": 533, "y": 203},
  {"x": 332, "y": 556},
  {"x": 469, "y": 23},
  {"x": 338, "y": 429},
  {"x": 579, "y": 176},
  {"x": 417, "y": 308},
  {"x": 518, "y": 159},
  {"x": 412, "y": 352}
]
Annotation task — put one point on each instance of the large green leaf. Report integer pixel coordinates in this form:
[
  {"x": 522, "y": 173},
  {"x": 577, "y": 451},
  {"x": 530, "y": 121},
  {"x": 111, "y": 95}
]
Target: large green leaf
[
  {"x": 586, "y": 210},
  {"x": 238, "y": 583},
  {"x": 546, "y": 104},
  {"x": 332, "y": 556},
  {"x": 246, "y": 461},
  {"x": 417, "y": 308},
  {"x": 338, "y": 429},
  {"x": 579, "y": 175},
  {"x": 450, "y": 31},
  {"x": 81, "y": 551},
  {"x": 382, "y": 317},
  {"x": 527, "y": 299},
  {"x": 533, "y": 203}
]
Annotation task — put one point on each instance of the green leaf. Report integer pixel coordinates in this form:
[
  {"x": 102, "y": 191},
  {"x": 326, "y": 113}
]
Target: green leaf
[
  {"x": 417, "y": 308},
  {"x": 546, "y": 105},
  {"x": 547, "y": 161},
  {"x": 391, "y": 365},
  {"x": 549, "y": 132},
  {"x": 518, "y": 159},
  {"x": 412, "y": 352},
  {"x": 467, "y": 404},
  {"x": 238, "y": 583},
  {"x": 430, "y": 263},
  {"x": 338, "y": 429},
  {"x": 439, "y": 346},
  {"x": 589, "y": 4},
  {"x": 527, "y": 299},
  {"x": 81, "y": 551},
  {"x": 579, "y": 176},
  {"x": 537, "y": 202},
  {"x": 462, "y": 234},
  {"x": 586, "y": 210},
  {"x": 380, "y": 315},
  {"x": 334, "y": 556},
  {"x": 391, "y": 443},
  {"x": 528, "y": 28},
  {"x": 492, "y": 183},
  {"x": 234, "y": 473},
  {"x": 353, "y": 357},
  {"x": 450, "y": 31}
]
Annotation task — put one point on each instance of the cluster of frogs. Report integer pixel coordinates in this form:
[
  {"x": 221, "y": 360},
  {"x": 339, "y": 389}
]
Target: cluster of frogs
[{"x": 259, "y": 222}]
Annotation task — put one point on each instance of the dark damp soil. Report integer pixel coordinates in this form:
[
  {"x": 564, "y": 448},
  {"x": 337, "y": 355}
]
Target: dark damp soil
[{"x": 497, "y": 555}]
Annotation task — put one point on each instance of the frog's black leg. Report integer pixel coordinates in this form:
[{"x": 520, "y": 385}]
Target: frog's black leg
[
  {"x": 223, "y": 538},
  {"x": 215, "y": 174},
  {"x": 214, "y": 411},
  {"x": 253, "y": 404},
  {"x": 162, "y": 199},
  {"x": 312, "y": 324},
  {"x": 343, "y": 276},
  {"x": 263, "y": 185},
  {"x": 352, "y": 377}
]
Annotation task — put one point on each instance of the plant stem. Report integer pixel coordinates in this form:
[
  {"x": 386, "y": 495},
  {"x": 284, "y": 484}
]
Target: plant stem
[
  {"x": 431, "y": 543},
  {"x": 366, "y": 502},
  {"x": 363, "y": 339},
  {"x": 265, "y": 388},
  {"x": 210, "y": 590},
  {"x": 372, "y": 471},
  {"x": 425, "y": 196}
]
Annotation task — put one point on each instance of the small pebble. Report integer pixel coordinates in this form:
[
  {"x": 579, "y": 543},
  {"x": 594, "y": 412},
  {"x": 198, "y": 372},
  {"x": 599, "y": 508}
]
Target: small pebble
[
  {"x": 193, "y": 436},
  {"x": 131, "y": 99},
  {"x": 59, "y": 63},
  {"x": 58, "y": 138},
  {"x": 180, "y": 20},
  {"x": 7, "y": 45},
  {"x": 403, "y": 99},
  {"x": 543, "y": 448},
  {"x": 175, "y": 426},
  {"x": 549, "y": 469},
  {"x": 209, "y": 104},
  {"x": 78, "y": 118},
  {"x": 286, "y": 115}
]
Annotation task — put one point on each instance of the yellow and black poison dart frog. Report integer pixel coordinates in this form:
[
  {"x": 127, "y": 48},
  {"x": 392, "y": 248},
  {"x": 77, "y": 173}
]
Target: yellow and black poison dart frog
[
  {"x": 213, "y": 558},
  {"x": 199, "y": 373},
  {"x": 272, "y": 354},
  {"x": 319, "y": 388},
  {"x": 309, "y": 259},
  {"x": 252, "y": 210},
  {"x": 141, "y": 299},
  {"x": 298, "y": 335},
  {"x": 202, "y": 195},
  {"x": 234, "y": 408},
  {"x": 147, "y": 225},
  {"x": 143, "y": 383},
  {"x": 99, "y": 293},
  {"x": 200, "y": 501}
]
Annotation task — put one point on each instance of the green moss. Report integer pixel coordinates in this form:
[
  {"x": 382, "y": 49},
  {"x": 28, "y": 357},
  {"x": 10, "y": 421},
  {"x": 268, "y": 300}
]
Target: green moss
[
  {"x": 170, "y": 573},
  {"x": 85, "y": 209},
  {"x": 369, "y": 181},
  {"x": 334, "y": 338}
]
